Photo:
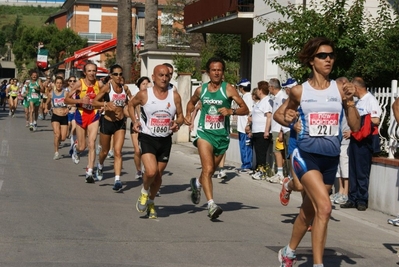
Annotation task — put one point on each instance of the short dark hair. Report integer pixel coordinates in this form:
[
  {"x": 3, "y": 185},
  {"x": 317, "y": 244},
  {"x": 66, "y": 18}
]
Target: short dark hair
[
  {"x": 215, "y": 60},
  {"x": 168, "y": 65},
  {"x": 141, "y": 79},
  {"x": 264, "y": 86}
]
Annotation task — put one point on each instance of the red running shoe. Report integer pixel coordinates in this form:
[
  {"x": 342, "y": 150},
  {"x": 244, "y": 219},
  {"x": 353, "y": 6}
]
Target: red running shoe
[{"x": 285, "y": 194}]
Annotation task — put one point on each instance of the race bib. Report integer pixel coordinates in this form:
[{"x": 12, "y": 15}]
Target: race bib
[
  {"x": 119, "y": 100},
  {"x": 160, "y": 125},
  {"x": 323, "y": 124},
  {"x": 214, "y": 122},
  {"x": 34, "y": 95}
]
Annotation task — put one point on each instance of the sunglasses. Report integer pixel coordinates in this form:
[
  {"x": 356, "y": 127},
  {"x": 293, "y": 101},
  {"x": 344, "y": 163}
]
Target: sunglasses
[
  {"x": 325, "y": 55},
  {"x": 117, "y": 74},
  {"x": 72, "y": 81}
]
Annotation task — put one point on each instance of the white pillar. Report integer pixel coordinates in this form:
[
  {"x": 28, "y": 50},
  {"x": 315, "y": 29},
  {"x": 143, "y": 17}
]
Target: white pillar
[{"x": 184, "y": 89}]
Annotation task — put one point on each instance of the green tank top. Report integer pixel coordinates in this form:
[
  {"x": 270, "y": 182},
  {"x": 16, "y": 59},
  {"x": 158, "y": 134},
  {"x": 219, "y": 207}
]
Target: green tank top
[
  {"x": 32, "y": 93},
  {"x": 211, "y": 121}
]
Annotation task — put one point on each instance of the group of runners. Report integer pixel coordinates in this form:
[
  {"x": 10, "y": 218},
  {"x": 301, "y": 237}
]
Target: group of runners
[{"x": 156, "y": 113}]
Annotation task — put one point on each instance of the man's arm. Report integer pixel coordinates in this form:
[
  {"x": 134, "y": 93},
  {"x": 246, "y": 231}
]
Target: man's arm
[
  {"x": 242, "y": 107},
  {"x": 191, "y": 105},
  {"x": 179, "y": 113}
]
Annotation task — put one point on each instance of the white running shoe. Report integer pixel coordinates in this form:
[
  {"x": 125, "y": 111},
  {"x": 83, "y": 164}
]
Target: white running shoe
[
  {"x": 276, "y": 179},
  {"x": 56, "y": 156},
  {"x": 75, "y": 155},
  {"x": 222, "y": 174}
]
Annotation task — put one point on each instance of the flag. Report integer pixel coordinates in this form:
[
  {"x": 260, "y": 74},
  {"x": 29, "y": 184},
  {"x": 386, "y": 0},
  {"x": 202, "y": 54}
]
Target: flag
[
  {"x": 42, "y": 57},
  {"x": 138, "y": 42}
]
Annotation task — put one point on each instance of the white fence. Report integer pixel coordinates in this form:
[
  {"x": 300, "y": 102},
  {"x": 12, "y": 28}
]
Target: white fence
[{"x": 386, "y": 96}]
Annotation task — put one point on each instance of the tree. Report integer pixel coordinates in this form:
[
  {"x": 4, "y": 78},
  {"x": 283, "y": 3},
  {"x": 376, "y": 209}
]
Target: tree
[
  {"x": 331, "y": 19},
  {"x": 174, "y": 11},
  {"x": 124, "y": 48},
  {"x": 61, "y": 44},
  {"x": 151, "y": 25}
]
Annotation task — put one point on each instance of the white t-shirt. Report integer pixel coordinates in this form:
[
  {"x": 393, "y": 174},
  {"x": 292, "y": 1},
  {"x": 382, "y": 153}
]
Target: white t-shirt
[
  {"x": 243, "y": 119},
  {"x": 368, "y": 104},
  {"x": 259, "y": 112},
  {"x": 279, "y": 99}
]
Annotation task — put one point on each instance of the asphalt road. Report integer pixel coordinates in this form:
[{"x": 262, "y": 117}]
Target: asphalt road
[{"x": 49, "y": 216}]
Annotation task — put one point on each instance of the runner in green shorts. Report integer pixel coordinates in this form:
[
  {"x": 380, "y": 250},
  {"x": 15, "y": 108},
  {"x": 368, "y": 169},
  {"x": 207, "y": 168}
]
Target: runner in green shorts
[
  {"x": 213, "y": 130},
  {"x": 35, "y": 87}
]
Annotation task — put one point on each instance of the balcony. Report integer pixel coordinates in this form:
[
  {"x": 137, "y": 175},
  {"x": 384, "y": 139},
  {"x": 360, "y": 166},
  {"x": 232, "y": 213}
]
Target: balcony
[
  {"x": 221, "y": 16},
  {"x": 96, "y": 37}
]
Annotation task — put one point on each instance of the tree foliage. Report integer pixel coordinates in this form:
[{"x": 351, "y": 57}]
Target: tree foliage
[
  {"x": 60, "y": 44},
  {"x": 350, "y": 27}
]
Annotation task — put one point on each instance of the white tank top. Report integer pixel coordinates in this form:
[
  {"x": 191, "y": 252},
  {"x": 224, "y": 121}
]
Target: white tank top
[
  {"x": 118, "y": 99},
  {"x": 321, "y": 114},
  {"x": 157, "y": 115}
]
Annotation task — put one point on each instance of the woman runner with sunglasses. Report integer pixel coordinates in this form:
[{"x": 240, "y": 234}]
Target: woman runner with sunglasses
[
  {"x": 316, "y": 157},
  {"x": 113, "y": 97}
]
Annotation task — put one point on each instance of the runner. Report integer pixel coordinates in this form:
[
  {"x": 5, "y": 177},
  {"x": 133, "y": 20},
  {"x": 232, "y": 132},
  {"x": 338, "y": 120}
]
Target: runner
[
  {"x": 158, "y": 106},
  {"x": 13, "y": 96},
  {"x": 26, "y": 102},
  {"x": 316, "y": 157},
  {"x": 213, "y": 130},
  {"x": 3, "y": 94},
  {"x": 86, "y": 116},
  {"x": 35, "y": 88},
  {"x": 59, "y": 119},
  {"x": 141, "y": 84},
  {"x": 113, "y": 97}
]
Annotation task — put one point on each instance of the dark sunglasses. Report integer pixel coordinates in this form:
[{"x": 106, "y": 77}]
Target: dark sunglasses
[
  {"x": 72, "y": 81},
  {"x": 325, "y": 55},
  {"x": 117, "y": 74}
]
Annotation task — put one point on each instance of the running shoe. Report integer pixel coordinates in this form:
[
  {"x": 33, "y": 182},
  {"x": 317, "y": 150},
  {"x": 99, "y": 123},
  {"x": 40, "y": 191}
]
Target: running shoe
[
  {"x": 40, "y": 117},
  {"x": 392, "y": 221},
  {"x": 257, "y": 175},
  {"x": 243, "y": 171},
  {"x": 285, "y": 194},
  {"x": 195, "y": 191},
  {"x": 158, "y": 194},
  {"x": 117, "y": 185},
  {"x": 141, "y": 204},
  {"x": 214, "y": 211},
  {"x": 56, "y": 156},
  {"x": 284, "y": 259},
  {"x": 151, "y": 212},
  {"x": 75, "y": 155},
  {"x": 98, "y": 149},
  {"x": 341, "y": 199},
  {"x": 99, "y": 174},
  {"x": 333, "y": 197},
  {"x": 222, "y": 174},
  {"x": 35, "y": 127},
  {"x": 89, "y": 178},
  {"x": 13, "y": 113},
  {"x": 276, "y": 179},
  {"x": 31, "y": 127},
  {"x": 139, "y": 175},
  {"x": 110, "y": 154},
  {"x": 9, "y": 113}
]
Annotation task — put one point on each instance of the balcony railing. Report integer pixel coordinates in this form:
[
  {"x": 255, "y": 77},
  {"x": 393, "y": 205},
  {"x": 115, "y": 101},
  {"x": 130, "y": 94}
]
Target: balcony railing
[
  {"x": 219, "y": 8},
  {"x": 96, "y": 37}
]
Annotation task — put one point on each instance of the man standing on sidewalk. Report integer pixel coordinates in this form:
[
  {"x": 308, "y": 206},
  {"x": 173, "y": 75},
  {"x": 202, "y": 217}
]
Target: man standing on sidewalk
[
  {"x": 244, "y": 140},
  {"x": 361, "y": 147}
]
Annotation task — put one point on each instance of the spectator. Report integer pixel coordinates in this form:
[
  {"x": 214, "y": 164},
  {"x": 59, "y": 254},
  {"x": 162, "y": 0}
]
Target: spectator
[
  {"x": 280, "y": 133},
  {"x": 261, "y": 127},
  {"x": 361, "y": 147},
  {"x": 244, "y": 141}
]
